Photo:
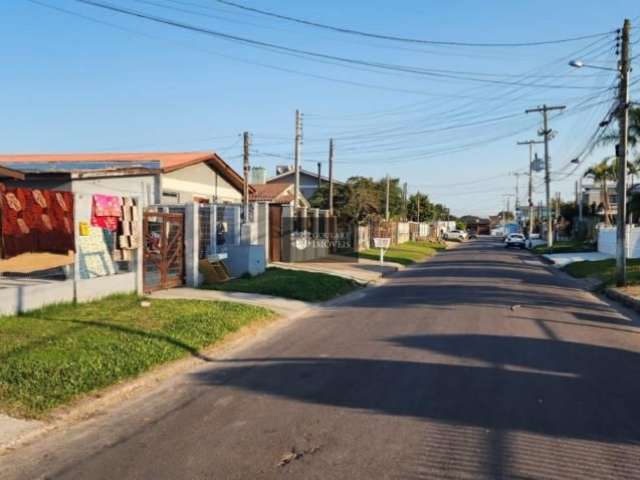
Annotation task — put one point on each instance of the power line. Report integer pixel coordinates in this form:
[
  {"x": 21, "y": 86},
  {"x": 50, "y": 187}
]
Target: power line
[
  {"x": 436, "y": 74},
  {"x": 407, "y": 39}
]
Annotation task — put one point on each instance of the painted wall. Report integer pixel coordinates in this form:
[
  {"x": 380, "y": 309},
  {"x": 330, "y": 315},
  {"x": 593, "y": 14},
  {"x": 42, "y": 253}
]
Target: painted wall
[
  {"x": 139, "y": 186},
  {"x": 607, "y": 241},
  {"x": 198, "y": 181}
]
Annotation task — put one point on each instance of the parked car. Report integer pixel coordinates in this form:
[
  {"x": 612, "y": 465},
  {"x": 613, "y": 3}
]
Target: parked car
[
  {"x": 456, "y": 235},
  {"x": 515, "y": 240}
]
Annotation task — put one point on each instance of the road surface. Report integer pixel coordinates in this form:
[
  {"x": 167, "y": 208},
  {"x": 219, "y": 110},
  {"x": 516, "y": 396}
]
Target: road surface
[{"x": 480, "y": 363}]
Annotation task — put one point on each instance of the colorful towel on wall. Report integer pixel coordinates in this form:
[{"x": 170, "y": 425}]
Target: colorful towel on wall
[
  {"x": 106, "y": 212},
  {"x": 35, "y": 220},
  {"x": 94, "y": 254}
]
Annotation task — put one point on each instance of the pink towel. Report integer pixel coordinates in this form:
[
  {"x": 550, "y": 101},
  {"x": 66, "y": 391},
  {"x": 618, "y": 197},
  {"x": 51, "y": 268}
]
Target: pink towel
[{"x": 106, "y": 212}]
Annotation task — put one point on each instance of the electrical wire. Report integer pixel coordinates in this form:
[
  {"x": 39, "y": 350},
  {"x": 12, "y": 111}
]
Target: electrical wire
[{"x": 407, "y": 39}]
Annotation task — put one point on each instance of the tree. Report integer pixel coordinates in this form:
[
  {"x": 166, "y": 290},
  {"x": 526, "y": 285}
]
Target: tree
[
  {"x": 601, "y": 173},
  {"x": 395, "y": 196},
  {"x": 412, "y": 207},
  {"x": 506, "y": 216},
  {"x": 634, "y": 132},
  {"x": 355, "y": 201}
]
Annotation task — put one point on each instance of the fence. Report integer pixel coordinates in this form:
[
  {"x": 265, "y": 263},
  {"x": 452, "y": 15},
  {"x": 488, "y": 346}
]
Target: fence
[
  {"x": 308, "y": 234},
  {"x": 33, "y": 280},
  {"x": 215, "y": 232},
  {"x": 607, "y": 241}
]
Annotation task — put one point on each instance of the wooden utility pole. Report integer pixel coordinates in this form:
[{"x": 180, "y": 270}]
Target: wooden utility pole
[
  {"x": 331, "y": 176},
  {"x": 404, "y": 201},
  {"x": 623, "y": 111},
  {"x": 245, "y": 165},
  {"x": 418, "y": 206},
  {"x": 531, "y": 143},
  {"x": 386, "y": 201},
  {"x": 547, "y": 171},
  {"x": 296, "y": 156}
]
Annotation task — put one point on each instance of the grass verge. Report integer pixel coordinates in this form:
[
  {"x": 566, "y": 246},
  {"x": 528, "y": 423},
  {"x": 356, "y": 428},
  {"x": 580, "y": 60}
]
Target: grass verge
[
  {"x": 565, "y": 246},
  {"x": 604, "y": 270},
  {"x": 405, "y": 253},
  {"x": 51, "y": 356},
  {"x": 295, "y": 284}
]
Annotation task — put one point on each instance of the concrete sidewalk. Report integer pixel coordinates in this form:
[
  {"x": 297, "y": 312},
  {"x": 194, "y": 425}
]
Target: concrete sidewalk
[
  {"x": 360, "y": 270},
  {"x": 283, "y": 306},
  {"x": 562, "y": 259}
]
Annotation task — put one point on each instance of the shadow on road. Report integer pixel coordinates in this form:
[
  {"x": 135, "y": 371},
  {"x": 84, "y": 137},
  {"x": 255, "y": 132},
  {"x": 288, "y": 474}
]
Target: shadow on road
[{"x": 494, "y": 384}]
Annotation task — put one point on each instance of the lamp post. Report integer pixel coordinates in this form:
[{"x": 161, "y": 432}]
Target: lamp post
[{"x": 624, "y": 69}]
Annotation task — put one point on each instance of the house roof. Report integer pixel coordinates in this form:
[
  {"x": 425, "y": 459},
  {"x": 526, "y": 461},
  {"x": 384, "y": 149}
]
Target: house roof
[
  {"x": 164, "y": 161},
  {"x": 274, "y": 193},
  {"x": 302, "y": 172}
]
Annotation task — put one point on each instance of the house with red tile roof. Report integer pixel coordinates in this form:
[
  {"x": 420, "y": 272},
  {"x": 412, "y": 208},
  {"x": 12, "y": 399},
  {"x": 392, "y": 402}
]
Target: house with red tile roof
[
  {"x": 158, "y": 177},
  {"x": 276, "y": 193}
]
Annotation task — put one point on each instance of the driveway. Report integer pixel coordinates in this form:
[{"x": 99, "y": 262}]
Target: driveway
[{"x": 479, "y": 364}]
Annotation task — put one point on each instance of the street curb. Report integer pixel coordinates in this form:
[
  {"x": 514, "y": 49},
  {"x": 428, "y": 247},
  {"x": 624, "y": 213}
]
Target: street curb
[{"x": 624, "y": 298}]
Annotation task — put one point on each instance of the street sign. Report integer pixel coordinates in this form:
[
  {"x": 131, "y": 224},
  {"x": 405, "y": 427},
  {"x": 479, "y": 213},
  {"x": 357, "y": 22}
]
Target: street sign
[{"x": 381, "y": 242}]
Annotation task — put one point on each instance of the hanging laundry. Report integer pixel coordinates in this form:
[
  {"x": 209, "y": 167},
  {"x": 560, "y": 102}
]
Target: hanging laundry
[
  {"x": 106, "y": 212},
  {"x": 35, "y": 220}
]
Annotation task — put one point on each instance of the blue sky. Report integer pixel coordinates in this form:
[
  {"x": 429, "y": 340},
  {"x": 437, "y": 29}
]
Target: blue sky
[{"x": 70, "y": 84}]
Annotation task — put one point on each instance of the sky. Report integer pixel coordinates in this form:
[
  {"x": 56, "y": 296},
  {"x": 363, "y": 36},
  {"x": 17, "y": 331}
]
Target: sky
[{"x": 443, "y": 118}]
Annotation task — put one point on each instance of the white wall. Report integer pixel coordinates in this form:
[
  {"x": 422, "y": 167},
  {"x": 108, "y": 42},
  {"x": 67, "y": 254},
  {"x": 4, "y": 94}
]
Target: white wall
[
  {"x": 199, "y": 181},
  {"x": 607, "y": 241}
]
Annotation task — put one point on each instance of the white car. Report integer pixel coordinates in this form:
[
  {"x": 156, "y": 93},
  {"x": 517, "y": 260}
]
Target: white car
[
  {"x": 456, "y": 235},
  {"x": 515, "y": 240}
]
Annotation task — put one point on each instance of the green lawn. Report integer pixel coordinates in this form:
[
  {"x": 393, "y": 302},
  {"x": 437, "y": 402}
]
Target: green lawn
[
  {"x": 296, "y": 284},
  {"x": 565, "y": 246},
  {"x": 53, "y": 355},
  {"x": 604, "y": 270},
  {"x": 405, "y": 253}
]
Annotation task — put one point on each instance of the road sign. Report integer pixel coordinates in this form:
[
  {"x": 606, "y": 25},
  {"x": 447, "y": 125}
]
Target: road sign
[{"x": 381, "y": 242}]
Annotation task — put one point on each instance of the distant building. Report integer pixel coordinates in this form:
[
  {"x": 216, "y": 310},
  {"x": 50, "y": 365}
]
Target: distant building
[
  {"x": 157, "y": 177},
  {"x": 309, "y": 181},
  {"x": 258, "y": 176}
]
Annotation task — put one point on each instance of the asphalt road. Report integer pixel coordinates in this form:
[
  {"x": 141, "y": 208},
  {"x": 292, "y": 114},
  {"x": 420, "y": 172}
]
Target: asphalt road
[{"x": 480, "y": 363}]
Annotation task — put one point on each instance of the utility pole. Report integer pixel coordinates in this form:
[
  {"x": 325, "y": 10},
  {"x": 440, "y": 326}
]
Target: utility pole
[
  {"x": 296, "y": 156},
  {"x": 623, "y": 111},
  {"x": 319, "y": 174},
  {"x": 531, "y": 143},
  {"x": 418, "y": 206},
  {"x": 404, "y": 200},
  {"x": 580, "y": 200},
  {"x": 331, "y": 176},
  {"x": 386, "y": 201},
  {"x": 547, "y": 171},
  {"x": 245, "y": 164}
]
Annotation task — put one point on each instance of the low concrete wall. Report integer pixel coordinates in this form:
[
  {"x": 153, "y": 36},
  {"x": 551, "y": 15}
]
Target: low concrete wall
[
  {"x": 18, "y": 299},
  {"x": 607, "y": 241},
  {"x": 24, "y": 298},
  {"x": 96, "y": 288}
]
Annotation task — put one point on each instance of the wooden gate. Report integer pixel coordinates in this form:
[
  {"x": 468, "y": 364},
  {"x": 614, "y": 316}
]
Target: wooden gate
[
  {"x": 163, "y": 250},
  {"x": 275, "y": 233}
]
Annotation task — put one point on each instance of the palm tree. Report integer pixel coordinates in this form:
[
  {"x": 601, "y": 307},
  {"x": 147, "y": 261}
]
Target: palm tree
[
  {"x": 634, "y": 132},
  {"x": 600, "y": 173}
]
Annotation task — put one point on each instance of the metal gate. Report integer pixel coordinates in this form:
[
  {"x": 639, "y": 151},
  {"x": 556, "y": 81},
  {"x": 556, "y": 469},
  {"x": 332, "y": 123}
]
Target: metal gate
[{"x": 163, "y": 250}]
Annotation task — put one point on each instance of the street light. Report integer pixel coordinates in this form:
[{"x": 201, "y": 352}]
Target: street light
[
  {"x": 623, "y": 69},
  {"x": 581, "y": 64}
]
